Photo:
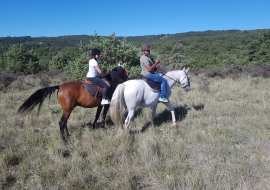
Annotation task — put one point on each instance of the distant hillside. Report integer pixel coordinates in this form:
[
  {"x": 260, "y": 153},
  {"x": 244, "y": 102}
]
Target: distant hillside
[
  {"x": 72, "y": 41},
  {"x": 40, "y": 42},
  {"x": 164, "y": 37},
  {"x": 207, "y": 49}
]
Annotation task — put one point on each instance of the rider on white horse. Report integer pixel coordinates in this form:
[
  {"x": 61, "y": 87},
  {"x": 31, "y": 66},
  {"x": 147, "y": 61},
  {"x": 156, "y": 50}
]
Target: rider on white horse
[{"x": 148, "y": 71}]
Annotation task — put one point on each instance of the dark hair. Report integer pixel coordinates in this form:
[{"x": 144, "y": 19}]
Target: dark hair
[{"x": 93, "y": 57}]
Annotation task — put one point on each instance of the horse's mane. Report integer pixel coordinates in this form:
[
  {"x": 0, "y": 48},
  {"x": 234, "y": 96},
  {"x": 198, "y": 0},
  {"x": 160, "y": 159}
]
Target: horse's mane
[
  {"x": 116, "y": 75},
  {"x": 170, "y": 72}
]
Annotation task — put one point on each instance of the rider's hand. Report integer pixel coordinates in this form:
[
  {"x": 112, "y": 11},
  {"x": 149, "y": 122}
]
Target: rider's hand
[{"x": 157, "y": 61}]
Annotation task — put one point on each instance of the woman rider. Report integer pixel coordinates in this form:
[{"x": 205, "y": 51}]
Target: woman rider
[
  {"x": 148, "y": 71},
  {"x": 94, "y": 69}
]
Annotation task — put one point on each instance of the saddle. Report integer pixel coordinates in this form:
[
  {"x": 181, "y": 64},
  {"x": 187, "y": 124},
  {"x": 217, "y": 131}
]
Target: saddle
[
  {"x": 154, "y": 86},
  {"x": 94, "y": 89}
]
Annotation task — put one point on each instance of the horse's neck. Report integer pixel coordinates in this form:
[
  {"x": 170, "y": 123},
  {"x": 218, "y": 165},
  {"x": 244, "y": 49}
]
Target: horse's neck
[
  {"x": 114, "y": 80},
  {"x": 172, "y": 77}
]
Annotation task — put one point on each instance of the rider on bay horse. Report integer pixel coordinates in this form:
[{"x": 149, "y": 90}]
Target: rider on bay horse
[
  {"x": 94, "y": 69},
  {"x": 148, "y": 71}
]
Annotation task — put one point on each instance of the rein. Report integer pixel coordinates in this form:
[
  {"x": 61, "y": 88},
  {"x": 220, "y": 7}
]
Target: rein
[
  {"x": 178, "y": 80},
  {"x": 171, "y": 78}
]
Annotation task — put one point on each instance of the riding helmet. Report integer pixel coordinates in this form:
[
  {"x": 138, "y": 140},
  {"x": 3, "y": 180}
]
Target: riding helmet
[{"x": 95, "y": 51}]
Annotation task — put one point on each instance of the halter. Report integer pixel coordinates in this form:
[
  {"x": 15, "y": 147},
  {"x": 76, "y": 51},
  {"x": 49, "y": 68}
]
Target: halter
[
  {"x": 172, "y": 78},
  {"x": 178, "y": 80}
]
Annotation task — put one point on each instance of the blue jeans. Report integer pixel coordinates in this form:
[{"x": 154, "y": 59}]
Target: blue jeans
[{"x": 160, "y": 79}]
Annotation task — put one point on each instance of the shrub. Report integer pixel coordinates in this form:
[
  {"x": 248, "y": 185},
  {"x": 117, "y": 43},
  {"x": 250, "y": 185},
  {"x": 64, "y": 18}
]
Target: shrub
[
  {"x": 113, "y": 52},
  {"x": 18, "y": 60},
  {"x": 59, "y": 61},
  {"x": 259, "y": 71}
]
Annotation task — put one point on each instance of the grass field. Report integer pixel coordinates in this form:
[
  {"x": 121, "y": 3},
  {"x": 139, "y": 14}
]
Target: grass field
[{"x": 221, "y": 142}]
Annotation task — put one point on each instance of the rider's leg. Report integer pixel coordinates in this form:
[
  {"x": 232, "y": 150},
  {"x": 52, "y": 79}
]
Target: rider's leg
[
  {"x": 163, "y": 81},
  {"x": 163, "y": 87},
  {"x": 101, "y": 83},
  {"x": 160, "y": 79}
]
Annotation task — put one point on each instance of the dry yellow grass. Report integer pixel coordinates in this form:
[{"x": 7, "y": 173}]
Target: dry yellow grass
[{"x": 222, "y": 141}]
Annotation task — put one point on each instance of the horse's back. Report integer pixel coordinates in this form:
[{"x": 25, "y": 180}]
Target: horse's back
[
  {"x": 134, "y": 82},
  {"x": 137, "y": 93},
  {"x": 134, "y": 87},
  {"x": 72, "y": 87}
]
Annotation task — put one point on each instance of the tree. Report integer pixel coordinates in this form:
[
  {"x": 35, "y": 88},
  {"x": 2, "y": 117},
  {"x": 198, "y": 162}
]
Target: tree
[
  {"x": 259, "y": 50},
  {"x": 59, "y": 61},
  {"x": 113, "y": 52},
  {"x": 18, "y": 60}
]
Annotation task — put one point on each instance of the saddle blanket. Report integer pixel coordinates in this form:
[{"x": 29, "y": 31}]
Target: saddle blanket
[{"x": 92, "y": 89}]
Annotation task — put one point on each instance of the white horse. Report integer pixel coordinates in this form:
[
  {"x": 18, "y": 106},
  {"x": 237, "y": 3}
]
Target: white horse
[{"x": 134, "y": 93}]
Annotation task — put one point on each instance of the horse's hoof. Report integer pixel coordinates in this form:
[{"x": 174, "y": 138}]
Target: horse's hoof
[{"x": 174, "y": 125}]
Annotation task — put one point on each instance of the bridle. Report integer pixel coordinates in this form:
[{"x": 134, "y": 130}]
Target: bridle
[
  {"x": 126, "y": 72},
  {"x": 178, "y": 80}
]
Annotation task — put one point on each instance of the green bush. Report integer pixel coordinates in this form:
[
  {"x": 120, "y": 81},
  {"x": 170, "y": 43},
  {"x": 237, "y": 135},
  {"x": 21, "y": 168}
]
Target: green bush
[
  {"x": 18, "y": 60},
  {"x": 113, "y": 52},
  {"x": 60, "y": 60}
]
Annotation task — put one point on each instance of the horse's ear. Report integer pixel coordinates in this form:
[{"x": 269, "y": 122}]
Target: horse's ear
[
  {"x": 124, "y": 65},
  {"x": 184, "y": 69},
  {"x": 187, "y": 70},
  {"x": 119, "y": 65}
]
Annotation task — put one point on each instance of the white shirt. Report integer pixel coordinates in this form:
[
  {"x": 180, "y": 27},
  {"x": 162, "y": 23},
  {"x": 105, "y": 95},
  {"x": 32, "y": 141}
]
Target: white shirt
[{"x": 92, "y": 70}]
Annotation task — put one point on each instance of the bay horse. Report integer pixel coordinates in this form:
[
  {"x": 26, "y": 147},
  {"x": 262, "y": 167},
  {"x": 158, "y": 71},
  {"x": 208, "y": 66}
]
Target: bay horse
[
  {"x": 72, "y": 94},
  {"x": 134, "y": 93}
]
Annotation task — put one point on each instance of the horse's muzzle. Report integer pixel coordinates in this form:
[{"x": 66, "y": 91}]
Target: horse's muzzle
[{"x": 187, "y": 88}]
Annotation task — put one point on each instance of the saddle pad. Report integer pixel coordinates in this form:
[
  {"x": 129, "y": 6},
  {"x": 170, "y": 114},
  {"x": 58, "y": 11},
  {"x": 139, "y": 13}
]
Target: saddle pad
[
  {"x": 154, "y": 86},
  {"x": 92, "y": 89}
]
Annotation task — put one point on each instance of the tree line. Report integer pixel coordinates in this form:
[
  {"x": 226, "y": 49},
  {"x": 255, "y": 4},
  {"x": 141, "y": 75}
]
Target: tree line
[{"x": 198, "y": 50}]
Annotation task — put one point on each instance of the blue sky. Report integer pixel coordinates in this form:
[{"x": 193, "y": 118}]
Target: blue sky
[{"x": 53, "y": 18}]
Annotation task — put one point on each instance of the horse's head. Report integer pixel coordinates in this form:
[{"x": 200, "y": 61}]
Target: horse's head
[
  {"x": 184, "y": 79},
  {"x": 118, "y": 75},
  {"x": 126, "y": 72}
]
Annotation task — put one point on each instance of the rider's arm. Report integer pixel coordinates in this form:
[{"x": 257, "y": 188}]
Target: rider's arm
[
  {"x": 99, "y": 70},
  {"x": 151, "y": 68}
]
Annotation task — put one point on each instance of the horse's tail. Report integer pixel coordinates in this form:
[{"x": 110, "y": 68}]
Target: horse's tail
[
  {"x": 36, "y": 99},
  {"x": 117, "y": 107}
]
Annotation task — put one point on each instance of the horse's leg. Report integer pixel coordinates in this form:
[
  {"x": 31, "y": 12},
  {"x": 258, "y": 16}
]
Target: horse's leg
[
  {"x": 169, "y": 105},
  {"x": 66, "y": 129},
  {"x": 153, "y": 114},
  {"x": 129, "y": 117},
  {"x": 106, "y": 108},
  {"x": 63, "y": 124},
  {"x": 97, "y": 116}
]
